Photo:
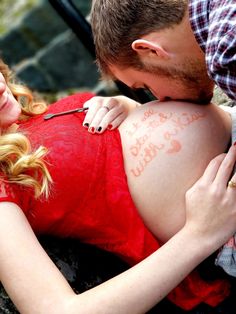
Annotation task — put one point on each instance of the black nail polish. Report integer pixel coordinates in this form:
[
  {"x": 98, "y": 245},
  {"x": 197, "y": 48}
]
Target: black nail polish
[
  {"x": 86, "y": 125},
  {"x": 99, "y": 129}
]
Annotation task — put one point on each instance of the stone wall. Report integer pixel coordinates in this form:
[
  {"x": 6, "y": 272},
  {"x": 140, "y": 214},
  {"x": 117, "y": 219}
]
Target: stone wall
[{"x": 45, "y": 53}]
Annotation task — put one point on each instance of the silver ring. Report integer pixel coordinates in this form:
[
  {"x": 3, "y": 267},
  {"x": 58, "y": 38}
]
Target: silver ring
[{"x": 106, "y": 107}]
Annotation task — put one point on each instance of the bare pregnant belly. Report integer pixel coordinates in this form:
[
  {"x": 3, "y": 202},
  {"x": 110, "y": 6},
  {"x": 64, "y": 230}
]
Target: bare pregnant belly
[{"x": 166, "y": 148}]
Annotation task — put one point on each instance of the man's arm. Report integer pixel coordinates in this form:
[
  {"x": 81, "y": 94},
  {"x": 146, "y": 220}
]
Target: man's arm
[{"x": 221, "y": 46}]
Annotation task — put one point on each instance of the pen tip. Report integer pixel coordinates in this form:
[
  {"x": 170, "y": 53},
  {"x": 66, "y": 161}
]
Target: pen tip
[{"x": 48, "y": 116}]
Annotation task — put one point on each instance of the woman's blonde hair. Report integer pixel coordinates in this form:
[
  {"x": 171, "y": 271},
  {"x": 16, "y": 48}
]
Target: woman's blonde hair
[{"x": 18, "y": 162}]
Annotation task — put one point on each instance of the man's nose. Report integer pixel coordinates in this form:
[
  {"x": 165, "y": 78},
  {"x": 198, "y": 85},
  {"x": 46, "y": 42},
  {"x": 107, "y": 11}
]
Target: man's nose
[
  {"x": 158, "y": 95},
  {"x": 161, "y": 97}
]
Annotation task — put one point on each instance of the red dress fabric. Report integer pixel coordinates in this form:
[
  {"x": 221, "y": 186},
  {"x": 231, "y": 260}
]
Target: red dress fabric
[{"x": 90, "y": 199}]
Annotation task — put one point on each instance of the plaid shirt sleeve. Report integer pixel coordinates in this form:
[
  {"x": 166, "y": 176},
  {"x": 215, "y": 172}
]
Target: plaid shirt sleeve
[{"x": 221, "y": 46}]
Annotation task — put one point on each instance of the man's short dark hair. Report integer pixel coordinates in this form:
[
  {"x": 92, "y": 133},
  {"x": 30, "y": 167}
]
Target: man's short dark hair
[{"x": 117, "y": 23}]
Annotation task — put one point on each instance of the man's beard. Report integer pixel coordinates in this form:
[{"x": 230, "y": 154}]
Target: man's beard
[{"x": 193, "y": 78}]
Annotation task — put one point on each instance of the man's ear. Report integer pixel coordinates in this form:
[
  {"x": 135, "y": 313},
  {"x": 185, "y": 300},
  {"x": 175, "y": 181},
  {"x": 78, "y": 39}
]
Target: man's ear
[{"x": 148, "y": 48}]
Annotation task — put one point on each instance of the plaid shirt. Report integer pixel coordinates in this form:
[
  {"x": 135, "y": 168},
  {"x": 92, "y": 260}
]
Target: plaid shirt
[{"x": 214, "y": 25}]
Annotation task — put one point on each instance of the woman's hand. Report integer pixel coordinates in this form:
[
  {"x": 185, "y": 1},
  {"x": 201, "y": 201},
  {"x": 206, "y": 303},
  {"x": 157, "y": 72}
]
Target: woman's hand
[
  {"x": 211, "y": 202},
  {"x": 107, "y": 112}
]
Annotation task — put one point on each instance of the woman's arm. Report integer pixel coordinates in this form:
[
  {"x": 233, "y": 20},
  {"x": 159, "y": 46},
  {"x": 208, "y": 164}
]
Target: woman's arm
[{"x": 36, "y": 285}]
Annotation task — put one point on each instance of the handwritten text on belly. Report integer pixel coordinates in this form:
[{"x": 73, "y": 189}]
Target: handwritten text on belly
[{"x": 168, "y": 125}]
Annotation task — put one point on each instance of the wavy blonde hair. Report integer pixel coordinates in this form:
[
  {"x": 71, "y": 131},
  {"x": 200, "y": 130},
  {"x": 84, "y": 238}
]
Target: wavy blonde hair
[{"x": 18, "y": 162}]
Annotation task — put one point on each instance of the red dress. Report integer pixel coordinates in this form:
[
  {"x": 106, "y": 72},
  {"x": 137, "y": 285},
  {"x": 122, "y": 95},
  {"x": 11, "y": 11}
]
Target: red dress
[{"x": 90, "y": 199}]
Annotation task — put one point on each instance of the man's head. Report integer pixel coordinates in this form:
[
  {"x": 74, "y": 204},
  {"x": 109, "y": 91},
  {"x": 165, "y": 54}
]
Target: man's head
[{"x": 150, "y": 44}]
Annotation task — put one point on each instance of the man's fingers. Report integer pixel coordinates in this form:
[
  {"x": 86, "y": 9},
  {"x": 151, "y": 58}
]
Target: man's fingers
[
  {"x": 227, "y": 166},
  {"x": 211, "y": 170}
]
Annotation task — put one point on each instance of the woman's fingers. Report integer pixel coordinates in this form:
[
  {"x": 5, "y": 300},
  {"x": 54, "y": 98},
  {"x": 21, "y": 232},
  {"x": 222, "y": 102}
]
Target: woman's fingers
[
  {"x": 111, "y": 121},
  {"x": 94, "y": 104},
  {"x": 104, "y": 113},
  {"x": 118, "y": 120}
]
